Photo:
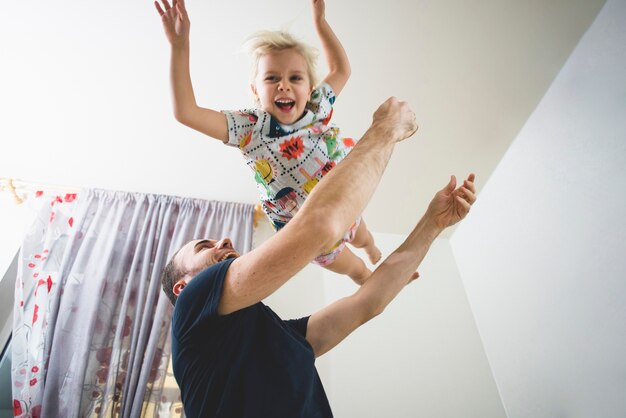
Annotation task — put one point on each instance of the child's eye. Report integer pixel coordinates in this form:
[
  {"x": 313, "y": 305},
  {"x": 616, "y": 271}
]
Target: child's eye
[
  {"x": 296, "y": 78},
  {"x": 271, "y": 78}
]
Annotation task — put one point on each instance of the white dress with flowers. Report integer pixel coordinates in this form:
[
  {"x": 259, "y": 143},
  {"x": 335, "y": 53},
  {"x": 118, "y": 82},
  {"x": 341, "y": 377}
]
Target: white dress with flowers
[{"x": 289, "y": 160}]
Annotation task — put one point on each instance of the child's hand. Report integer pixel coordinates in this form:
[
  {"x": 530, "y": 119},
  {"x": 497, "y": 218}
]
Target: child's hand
[
  {"x": 175, "y": 21},
  {"x": 318, "y": 10}
]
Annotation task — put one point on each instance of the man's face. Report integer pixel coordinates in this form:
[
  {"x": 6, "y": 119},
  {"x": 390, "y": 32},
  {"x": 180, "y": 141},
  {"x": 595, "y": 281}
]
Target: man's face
[
  {"x": 197, "y": 255},
  {"x": 282, "y": 85}
]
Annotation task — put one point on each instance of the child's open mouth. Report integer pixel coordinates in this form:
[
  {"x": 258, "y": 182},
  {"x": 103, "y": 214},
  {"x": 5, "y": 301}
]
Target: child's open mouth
[{"x": 285, "y": 104}]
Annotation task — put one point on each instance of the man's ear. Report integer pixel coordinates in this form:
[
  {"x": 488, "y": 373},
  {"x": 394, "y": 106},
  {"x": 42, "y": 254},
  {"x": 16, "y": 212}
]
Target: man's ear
[{"x": 179, "y": 286}]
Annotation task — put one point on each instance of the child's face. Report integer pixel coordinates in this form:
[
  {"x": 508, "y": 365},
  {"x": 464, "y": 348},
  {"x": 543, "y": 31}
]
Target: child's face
[{"x": 282, "y": 85}]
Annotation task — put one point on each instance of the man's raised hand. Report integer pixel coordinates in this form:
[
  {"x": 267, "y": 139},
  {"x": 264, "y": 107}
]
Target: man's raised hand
[
  {"x": 451, "y": 204},
  {"x": 396, "y": 117}
]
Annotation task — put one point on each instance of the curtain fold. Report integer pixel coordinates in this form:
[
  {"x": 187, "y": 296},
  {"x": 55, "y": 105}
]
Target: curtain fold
[{"x": 91, "y": 325}]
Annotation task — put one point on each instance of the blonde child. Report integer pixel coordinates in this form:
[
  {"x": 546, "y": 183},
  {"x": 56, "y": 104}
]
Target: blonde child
[{"x": 287, "y": 140}]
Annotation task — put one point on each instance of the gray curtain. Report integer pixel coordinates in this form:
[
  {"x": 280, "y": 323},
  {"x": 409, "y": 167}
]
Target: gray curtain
[{"x": 91, "y": 324}]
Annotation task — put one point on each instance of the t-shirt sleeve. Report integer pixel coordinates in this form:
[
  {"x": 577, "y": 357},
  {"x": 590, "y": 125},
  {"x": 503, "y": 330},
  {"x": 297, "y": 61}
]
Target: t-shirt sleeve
[
  {"x": 241, "y": 123},
  {"x": 299, "y": 325},
  {"x": 322, "y": 101},
  {"x": 199, "y": 300}
]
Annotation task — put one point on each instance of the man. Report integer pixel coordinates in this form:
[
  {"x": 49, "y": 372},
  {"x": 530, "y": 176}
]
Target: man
[{"x": 232, "y": 355}]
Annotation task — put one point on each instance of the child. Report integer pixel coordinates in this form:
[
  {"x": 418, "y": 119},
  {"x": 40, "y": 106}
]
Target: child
[{"x": 287, "y": 140}]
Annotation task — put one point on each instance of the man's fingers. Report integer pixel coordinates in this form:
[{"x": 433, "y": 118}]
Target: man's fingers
[
  {"x": 451, "y": 184},
  {"x": 412, "y": 118},
  {"x": 469, "y": 185},
  {"x": 470, "y": 181},
  {"x": 412, "y": 129},
  {"x": 463, "y": 203},
  {"x": 409, "y": 118},
  {"x": 469, "y": 195}
]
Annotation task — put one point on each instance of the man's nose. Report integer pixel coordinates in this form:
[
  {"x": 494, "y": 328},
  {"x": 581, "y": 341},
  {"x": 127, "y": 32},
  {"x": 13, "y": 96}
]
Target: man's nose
[{"x": 225, "y": 243}]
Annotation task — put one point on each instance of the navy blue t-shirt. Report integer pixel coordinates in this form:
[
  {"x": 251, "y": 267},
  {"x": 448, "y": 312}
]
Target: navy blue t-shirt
[{"x": 249, "y": 363}]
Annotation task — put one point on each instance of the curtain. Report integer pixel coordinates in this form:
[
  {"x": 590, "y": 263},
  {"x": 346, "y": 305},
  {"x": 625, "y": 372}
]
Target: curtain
[{"x": 91, "y": 324}]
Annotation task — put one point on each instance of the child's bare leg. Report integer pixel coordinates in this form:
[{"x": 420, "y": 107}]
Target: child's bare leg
[
  {"x": 349, "y": 264},
  {"x": 364, "y": 239}
]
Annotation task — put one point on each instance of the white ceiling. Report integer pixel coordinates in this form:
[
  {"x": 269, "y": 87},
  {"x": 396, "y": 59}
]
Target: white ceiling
[{"x": 85, "y": 96}]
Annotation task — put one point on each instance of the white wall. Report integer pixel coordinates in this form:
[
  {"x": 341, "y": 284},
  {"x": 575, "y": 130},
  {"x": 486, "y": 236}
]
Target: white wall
[
  {"x": 421, "y": 357},
  {"x": 85, "y": 97},
  {"x": 14, "y": 222},
  {"x": 542, "y": 255}
]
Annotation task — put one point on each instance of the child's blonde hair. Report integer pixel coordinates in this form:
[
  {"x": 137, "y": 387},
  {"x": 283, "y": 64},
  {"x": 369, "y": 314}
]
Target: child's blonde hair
[{"x": 265, "y": 42}]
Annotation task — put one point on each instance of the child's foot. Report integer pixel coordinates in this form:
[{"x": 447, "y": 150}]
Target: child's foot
[{"x": 373, "y": 253}]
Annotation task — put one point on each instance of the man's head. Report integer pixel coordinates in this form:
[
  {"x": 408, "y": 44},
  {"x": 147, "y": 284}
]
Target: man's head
[{"x": 190, "y": 260}]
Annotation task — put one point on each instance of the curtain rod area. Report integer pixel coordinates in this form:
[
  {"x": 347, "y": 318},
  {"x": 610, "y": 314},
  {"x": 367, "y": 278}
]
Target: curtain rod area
[{"x": 21, "y": 190}]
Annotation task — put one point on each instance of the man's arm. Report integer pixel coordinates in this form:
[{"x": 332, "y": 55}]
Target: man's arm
[
  {"x": 329, "y": 326},
  {"x": 259, "y": 273},
  {"x": 336, "y": 57},
  {"x": 176, "y": 25}
]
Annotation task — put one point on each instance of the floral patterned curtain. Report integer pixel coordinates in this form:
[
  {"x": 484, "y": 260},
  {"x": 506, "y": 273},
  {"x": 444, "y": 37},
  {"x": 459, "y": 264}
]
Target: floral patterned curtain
[{"x": 91, "y": 325}]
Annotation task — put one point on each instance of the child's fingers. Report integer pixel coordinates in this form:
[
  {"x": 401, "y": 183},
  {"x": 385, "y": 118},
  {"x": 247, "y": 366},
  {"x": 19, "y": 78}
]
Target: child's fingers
[
  {"x": 181, "y": 11},
  {"x": 167, "y": 5},
  {"x": 158, "y": 7}
]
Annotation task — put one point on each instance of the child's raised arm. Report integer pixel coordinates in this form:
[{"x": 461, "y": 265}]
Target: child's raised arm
[
  {"x": 336, "y": 57},
  {"x": 186, "y": 111}
]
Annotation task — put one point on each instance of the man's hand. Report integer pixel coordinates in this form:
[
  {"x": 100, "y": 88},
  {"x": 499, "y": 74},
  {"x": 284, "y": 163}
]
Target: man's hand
[
  {"x": 397, "y": 118},
  {"x": 175, "y": 21},
  {"x": 329, "y": 326},
  {"x": 452, "y": 204}
]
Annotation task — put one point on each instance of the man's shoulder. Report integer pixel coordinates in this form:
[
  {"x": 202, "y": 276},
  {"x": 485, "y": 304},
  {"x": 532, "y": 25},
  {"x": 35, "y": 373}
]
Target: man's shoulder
[{"x": 201, "y": 296}]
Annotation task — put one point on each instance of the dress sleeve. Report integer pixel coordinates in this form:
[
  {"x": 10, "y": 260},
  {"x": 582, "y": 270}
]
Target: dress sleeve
[
  {"x": 241, "y": 123},
  {"x": 322, "y": 101}
]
